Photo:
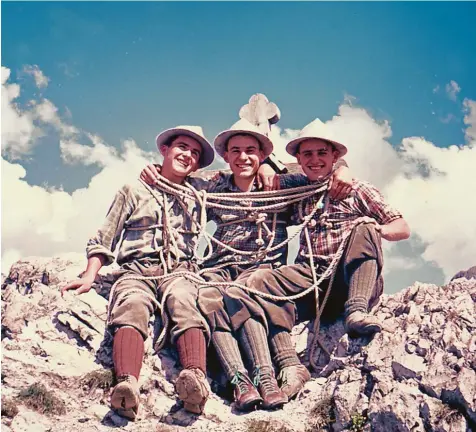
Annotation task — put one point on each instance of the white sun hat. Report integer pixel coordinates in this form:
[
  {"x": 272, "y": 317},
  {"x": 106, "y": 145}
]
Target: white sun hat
[
  {"x": 195, "y": 132},
  {"x": 242, "y": 127},
  {"x": 315, "y": 129}
]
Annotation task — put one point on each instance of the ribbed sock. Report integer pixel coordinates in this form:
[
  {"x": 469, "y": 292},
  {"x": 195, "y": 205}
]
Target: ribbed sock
[
  {"x": 361, "y": 286},
  {"x": 228, "y": 352},
  {"x": 282, "y": 349},
  {"x": 128, "y": 352},
  {"x": 254, "y": 341},
  {"x": 191, "y": 347}
]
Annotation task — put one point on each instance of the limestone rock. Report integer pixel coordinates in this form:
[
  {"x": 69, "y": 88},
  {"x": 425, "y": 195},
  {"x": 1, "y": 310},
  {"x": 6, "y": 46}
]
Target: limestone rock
[{"x": 418, "y": 374}]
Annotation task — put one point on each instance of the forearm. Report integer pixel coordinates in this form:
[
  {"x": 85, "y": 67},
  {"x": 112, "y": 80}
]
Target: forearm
[
  {"x": 395, "y": 230},
  {"x": 95, "y": 262}
]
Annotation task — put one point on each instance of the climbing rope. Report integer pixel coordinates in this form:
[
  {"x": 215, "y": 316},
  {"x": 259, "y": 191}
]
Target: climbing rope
[{"x": 257, "y": 213}]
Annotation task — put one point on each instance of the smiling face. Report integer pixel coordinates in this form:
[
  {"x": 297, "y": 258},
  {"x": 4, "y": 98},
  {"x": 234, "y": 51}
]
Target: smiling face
[
  {"x": 316, "y": 157},
  {"x": 181, "y": 158},
  {"x": 244, "y": 155}
]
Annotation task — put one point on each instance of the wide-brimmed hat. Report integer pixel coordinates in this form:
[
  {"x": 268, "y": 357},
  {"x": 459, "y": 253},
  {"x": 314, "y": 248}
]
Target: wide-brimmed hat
[
  {"x": 195, "y": 132},
  {"x": 319, "y": 130},
  {"x": 242, "y": 127}
]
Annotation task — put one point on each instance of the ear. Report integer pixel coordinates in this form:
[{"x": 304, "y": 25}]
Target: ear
[
  {"x": 298, "y": 158},
  {"x": 225, "y": 157},
  {"x": 335, "y": 154},
  {"x": 261, "y": 156},
  {"x": 163, "y": 149}
]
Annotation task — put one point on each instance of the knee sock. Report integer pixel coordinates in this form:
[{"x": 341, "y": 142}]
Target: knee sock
[
  {"x": 254, "y": 341},
  {"x": 228, "y": 352},
  {"x": 282, "y": 349},
  {"x": 191, "y": 347},
  {"x": 128, "y": 352},
  {"x": 361, "y": 286}
]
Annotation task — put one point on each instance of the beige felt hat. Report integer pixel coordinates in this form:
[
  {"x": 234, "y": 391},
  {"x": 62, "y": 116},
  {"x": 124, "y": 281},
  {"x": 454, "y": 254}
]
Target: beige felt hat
[
  {"x": 315, "y": 129},
  {"x": 195, "y": 132},
  {"x": 242, "y": 127}
]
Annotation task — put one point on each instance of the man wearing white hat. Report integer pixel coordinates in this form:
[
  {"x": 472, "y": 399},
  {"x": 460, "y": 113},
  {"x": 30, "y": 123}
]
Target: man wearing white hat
[
  {"x": 139, "y": 224},
  {"x": 358, "y": 283}
]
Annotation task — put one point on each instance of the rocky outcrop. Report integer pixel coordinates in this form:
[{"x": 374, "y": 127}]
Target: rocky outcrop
[
  {"x": 467, "y": 274},
  {"x": 419, "y": 374}
]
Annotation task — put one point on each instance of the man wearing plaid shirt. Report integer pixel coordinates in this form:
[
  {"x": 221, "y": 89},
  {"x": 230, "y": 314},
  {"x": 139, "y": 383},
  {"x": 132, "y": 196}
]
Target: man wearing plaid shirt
[{"x": 358, "y": 281}]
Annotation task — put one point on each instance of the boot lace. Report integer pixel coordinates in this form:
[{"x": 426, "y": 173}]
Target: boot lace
[
  {"x": 240, "y": 381},
  {"x": 263, "y": 378}
]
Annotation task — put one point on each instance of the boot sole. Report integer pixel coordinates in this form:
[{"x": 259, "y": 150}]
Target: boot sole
[
  {"x": 124, "y": 402},
  {"x": 250, "y": 405},
  {"x": 190, "y": 391}
]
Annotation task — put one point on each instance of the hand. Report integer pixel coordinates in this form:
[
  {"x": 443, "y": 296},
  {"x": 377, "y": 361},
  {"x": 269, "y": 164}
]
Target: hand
[
  {"x": 150, "y": 174},
  {"x": 81, "y": 286},
  {"x": 267, "y": 178},
  {"x": 340, "y": 183},
  {"x": 369, "y": 220}
]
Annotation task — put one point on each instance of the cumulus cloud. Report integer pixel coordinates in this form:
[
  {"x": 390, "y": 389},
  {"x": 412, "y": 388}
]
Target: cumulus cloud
[
  {"x": 470, "y": 120},
  {"x": 452, "y": 89},
  {"x": 41, "y": 80},
  {"x": 21, "y": 127}
]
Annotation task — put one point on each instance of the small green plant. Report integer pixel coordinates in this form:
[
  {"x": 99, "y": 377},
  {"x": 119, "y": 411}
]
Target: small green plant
[
  {"x": 101, "y": 378},
  {"x": 39, "y": 398},
  {"x": 321, "y": 415},
  {"x": 9, "y": 407},
  {"x": 357, "y": 422}
]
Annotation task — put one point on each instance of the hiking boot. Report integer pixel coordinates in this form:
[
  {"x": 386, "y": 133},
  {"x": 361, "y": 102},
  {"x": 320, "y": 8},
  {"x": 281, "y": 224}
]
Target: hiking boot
[
  {"x": 193, "y": 389},
  {"x": 246, "y": 395},
  {"x": 273, "y": 396},
  {"x": 125, "y": 397},
  {"x": 362, "y": 324},
  {"x": 293, "y": 378}
]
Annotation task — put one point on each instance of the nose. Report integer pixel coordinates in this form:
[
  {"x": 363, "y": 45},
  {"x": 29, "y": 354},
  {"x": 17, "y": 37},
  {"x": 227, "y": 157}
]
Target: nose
[
  {"x": 314, "y": 157},
  {"x": 242, "y": 156}
]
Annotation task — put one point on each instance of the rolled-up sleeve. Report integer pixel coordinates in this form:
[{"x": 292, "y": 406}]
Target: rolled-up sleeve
[
  {"x": 372, "y": 203},
  {"x": 107, "y": 237}
]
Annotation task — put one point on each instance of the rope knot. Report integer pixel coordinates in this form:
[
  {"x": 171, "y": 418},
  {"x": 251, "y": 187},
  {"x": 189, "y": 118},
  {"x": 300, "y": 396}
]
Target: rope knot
[{"x": 259, "y": 241}]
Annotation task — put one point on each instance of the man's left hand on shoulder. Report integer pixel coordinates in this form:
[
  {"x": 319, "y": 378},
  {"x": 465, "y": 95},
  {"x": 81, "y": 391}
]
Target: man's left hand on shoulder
[{"x": 340, "y": 183}]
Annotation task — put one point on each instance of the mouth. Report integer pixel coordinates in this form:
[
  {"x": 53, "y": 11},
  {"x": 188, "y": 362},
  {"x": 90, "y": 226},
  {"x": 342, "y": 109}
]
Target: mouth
[
  {"x": 243, "y": 166},
  {"x": 183, "y": 163},
  {"x": 315, "y": 168}
]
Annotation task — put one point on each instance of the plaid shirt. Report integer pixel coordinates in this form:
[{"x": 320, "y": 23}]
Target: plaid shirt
[
  {"x": 138, "y": 217},
  {"x": 364, "y": 200},
  {"x": 243, "y": 235}
]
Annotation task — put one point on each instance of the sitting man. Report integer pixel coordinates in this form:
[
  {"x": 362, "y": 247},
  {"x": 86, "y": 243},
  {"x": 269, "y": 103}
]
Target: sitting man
[
  {"x": 244, "y": 148},
  {"x": 157, "y": 240},
  {"x": 358, "y": 281}
]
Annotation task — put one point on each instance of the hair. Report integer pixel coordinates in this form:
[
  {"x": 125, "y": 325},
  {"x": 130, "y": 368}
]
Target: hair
[
  {"x": 169, "y": 141},
  {"x": 244, "y": 134},
  {"x": 298, "y": 148}
]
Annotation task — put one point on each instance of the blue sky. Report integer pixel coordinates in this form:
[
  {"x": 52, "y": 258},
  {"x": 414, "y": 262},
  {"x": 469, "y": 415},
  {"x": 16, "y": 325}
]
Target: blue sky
[{"x": 127, "y": 70}]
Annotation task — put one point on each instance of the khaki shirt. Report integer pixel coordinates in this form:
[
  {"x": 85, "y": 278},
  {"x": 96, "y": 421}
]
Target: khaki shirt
[{"x": 134, "y": 225}]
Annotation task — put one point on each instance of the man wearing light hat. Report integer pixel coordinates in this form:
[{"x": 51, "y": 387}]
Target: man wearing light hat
[
  {"x": 146, "y": 222},
  {"x": 358, "y": 282}
]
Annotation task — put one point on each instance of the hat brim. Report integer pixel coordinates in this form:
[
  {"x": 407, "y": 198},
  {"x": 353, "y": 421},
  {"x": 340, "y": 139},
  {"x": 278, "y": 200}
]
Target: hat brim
[
  {"x": 208, "y": 154},
  {"x": 292, "y": 146},
  {"x": 222, "y": 138}
]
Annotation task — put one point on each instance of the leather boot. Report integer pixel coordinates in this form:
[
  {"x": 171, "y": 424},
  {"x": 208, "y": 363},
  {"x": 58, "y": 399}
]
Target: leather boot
[
  {"x": 292, "y": 379},
  {"x": 362, "y": 324},
  {"x": 125, "y": 397},
  {"x": 193, "y": 389},
  {"x": 273, "y": 396},
  {"x": 246, "y": 395}
]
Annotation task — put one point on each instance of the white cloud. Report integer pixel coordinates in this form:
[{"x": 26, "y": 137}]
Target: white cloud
[
  {"x": 18, "y": 130},
  {"x": 452, "y": 89},
  {"x": 21, "y": 128},
  {"x": 470, "y": 120},
  {"x": 436, "y": 89},
  {"x": 41, "y": 80}
]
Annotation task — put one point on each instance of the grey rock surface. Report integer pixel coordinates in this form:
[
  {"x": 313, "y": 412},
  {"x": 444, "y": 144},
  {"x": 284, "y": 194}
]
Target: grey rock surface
[{"x": 418, "y": 374}]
